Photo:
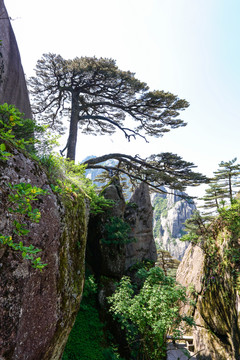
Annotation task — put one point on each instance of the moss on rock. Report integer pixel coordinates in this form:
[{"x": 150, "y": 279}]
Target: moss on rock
[{"x": 38, "y": 309}]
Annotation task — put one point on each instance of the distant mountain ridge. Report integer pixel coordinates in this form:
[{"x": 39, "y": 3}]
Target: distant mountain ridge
[{"x": 169, "y": 215}]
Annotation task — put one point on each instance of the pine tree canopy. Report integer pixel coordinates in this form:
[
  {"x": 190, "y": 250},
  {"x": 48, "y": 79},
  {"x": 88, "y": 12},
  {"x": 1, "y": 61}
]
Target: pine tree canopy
[{"x": 99, "y": 98}]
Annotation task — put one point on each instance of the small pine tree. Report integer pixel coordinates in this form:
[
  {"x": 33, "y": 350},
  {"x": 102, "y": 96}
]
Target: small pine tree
[
  {"x": 213, "y": 198},
  {"x": 228, "y": 177},
  {"x": 223, "y": 186}
]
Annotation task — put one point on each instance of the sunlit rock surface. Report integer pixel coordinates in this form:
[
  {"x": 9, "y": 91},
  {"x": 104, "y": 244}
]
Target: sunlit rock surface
[{"x": 216, "y": 335}]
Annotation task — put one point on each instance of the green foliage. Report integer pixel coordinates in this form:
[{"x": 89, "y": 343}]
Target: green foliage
[
  {"x": 21, "y": 198},
  {"x": 160, "y": 207},
  {"x": 165, "y": 169},
  {"x": 196, "y": 227},
  {"x": 144, "y": 264},
  {"x": 213, "y": 198},
  {"x": 22, "y": 195},
  {"x": 16, "y": 129},
  {"x": 25, "y": 134},
  {"x": 117, "y": 231},
  {"x": 86, "y": 336},
  {"x": 227, "y": 176},
  {"x": 86, "y": 340},
  {"x": 219, "y": 240},
  {"x": 231, "y": 217},
  {"x": 98, "y": 204},
  {"x": 150, "y": 314},
  {"x": 28, "y": 252},
  {"x": 69, "y": 178},
  {"x": 223, "y": 186},
  {"x": 101, "y": 97},
  {"x": 4, "y": 155}
]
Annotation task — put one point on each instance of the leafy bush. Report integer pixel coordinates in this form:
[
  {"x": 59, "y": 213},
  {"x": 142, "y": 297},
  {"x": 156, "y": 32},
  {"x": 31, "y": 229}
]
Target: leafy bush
[
  {"x": 69, "y": 178},
  {"x": 218, "y": 238},
  {"x": 150, "y": 314},
  {"x": 17, "y": 130},
  {"x": 20, "y": 200}
]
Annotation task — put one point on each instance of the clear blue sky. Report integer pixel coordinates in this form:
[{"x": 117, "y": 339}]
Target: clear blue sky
[{"x": 188, "y": 47}]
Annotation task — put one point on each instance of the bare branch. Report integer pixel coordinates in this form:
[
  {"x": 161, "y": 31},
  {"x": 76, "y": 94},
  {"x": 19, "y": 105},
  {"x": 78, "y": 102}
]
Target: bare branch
[{"x": 124, "y": 129}]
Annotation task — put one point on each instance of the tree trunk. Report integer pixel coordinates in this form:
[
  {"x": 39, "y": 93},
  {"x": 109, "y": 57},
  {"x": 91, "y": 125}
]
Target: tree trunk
[
  {"x": 230, "y": 187},
  {"x": 72, "y": 139}
]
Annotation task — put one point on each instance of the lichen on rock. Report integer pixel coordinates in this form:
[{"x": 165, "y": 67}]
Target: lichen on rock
[
  {"x": 217, "y": 334},
  {"x": 38, "y": 309}
]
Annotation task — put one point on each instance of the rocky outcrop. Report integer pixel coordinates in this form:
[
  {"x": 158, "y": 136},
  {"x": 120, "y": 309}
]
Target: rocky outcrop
[
  {"x": 216, "y": 335},
  {"x": 170, "y": 214},
  {"x": 106, "y": 259},
  {"x": 139, "y": 215},
  {"x": 38, "y": 308},
  {"x": 112, "y": 255},
  {"x": 13, "y": 89},
  {"x": 114, "y": 259}
]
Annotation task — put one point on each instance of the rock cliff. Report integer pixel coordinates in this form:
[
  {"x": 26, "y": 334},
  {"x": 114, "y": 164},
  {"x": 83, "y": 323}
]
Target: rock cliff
[
  {"x": 13, "y": 89},
  {"x": 216, "y": 335},
  {"x": 113, "y": 259},
  {"x": 110, "y": 255},
  {"x": 170, "y": 214},
  {"x": 139, "y": 215},
  {"x": 38, "y": 308}
]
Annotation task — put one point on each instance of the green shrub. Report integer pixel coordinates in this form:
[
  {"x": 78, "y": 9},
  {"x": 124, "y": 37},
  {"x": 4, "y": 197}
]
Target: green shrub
[
  {"x": 20, "y": 201},
  {"x": 150, "y": 314},
  {"x": 117, "y": 231}
]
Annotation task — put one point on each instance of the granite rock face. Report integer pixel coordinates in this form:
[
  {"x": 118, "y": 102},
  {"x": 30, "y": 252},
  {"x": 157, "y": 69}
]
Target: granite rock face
[
  {"x": 13, "y": 89},
  {"x": 139, "y": 215},
  {"x": 216, "y": 335},
  {"x": 170, "y": 214},
  {"x": 114, "y": 259},
  {"x": 106, "y": 259},
  {"x": 38, "y": 308},
  {"x": 110, "y": 261}
]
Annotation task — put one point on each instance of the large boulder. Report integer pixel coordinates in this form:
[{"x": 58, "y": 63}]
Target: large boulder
[
  {"x": 38, "y": 308},
  {"x": 13, "y": 89}
]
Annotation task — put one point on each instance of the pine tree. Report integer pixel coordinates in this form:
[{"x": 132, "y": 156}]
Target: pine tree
[
  {"x": 213, "y": 198},
  {"x": 97, "y": 97},
  {"x": 228, "y": 178}
]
